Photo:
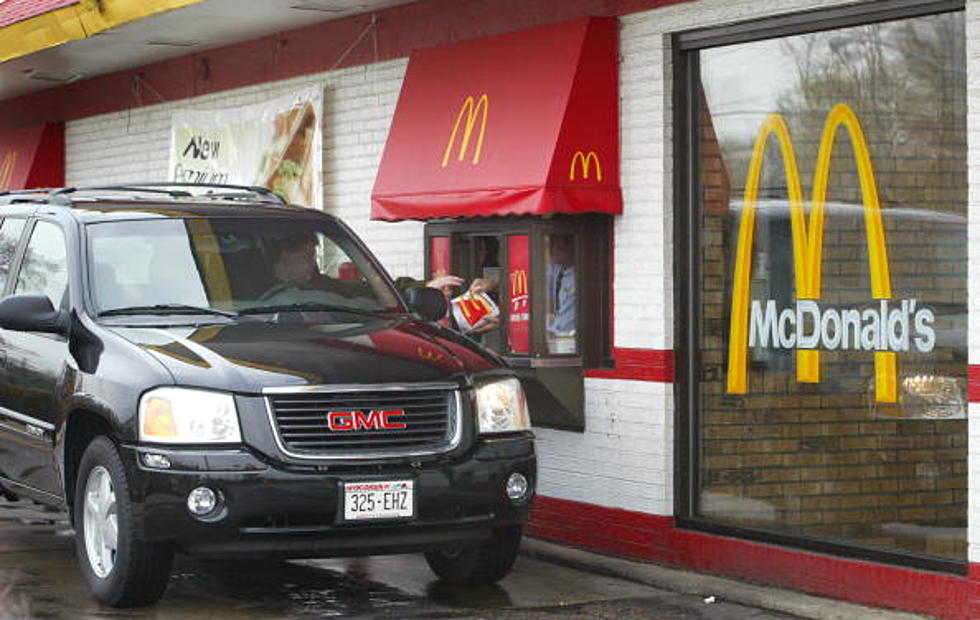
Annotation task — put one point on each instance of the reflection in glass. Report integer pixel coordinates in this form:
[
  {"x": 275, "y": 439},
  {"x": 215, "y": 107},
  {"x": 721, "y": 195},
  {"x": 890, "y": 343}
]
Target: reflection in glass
[
  {"x": 10, "y": 233},
  {"x": 832, "y": 455},
  {"x": 44, "y": 270},
  {"x": 560, "y": 293},
  {"x": 232, "y": 264}
]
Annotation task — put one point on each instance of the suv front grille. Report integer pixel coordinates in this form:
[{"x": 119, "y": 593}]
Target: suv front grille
[{"x": 301, "y": 419}]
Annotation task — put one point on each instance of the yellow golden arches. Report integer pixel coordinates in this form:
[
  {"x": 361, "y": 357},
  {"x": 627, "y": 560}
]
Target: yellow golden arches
[
  {"x": 7, "y": 166},
  {"x": 518, "y": 283},
  {"x": 585, "y": 161},
  {"x": 472, "y": 109},
  {"x": 808, "y": 244}
]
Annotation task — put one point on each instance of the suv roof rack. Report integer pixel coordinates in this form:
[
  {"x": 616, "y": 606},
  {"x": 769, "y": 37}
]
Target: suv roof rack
[{"x": 63, "y": 196}]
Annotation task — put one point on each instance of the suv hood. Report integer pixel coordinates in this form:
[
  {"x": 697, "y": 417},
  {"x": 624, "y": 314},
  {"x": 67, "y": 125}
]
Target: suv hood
[{"x": 249, "y": 356}]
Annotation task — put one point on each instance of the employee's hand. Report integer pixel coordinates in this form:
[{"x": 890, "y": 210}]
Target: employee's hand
[
  {"x": 482, "y": 285},
  {"x": 444, "y": 282}
]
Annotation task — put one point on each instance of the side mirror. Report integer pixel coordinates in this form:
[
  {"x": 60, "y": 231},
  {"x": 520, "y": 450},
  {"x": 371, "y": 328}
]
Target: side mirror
[
  {"x": 31, "y": 313},
  {"x": 428, "y": 303}
]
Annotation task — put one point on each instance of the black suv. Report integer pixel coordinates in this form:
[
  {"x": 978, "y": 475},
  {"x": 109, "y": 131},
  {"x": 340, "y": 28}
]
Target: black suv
[{"x": 206, "y": 369}]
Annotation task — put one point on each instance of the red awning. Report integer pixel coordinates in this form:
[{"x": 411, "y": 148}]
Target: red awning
[
  {"x": 32, "y": 157},
  {"x": 521, "y": 123}
]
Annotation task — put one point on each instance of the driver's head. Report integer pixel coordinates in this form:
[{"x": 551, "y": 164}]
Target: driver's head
[{"x": 294, "y": 258}]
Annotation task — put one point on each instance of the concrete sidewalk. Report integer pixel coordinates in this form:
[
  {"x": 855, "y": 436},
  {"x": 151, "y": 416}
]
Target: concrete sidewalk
[{"x": 722, "y": 589}]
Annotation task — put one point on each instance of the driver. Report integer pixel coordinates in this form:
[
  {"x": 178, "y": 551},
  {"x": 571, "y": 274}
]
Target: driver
[{"x": 295, "y": 269}]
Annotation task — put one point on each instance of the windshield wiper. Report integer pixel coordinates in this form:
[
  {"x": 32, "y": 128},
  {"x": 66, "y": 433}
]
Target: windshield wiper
[
  {"x": 310, "y": 306},
  {"x": 161, "y": 309}
]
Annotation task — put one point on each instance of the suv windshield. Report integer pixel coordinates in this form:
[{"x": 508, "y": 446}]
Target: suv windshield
[{"x": 225, "y": 266}]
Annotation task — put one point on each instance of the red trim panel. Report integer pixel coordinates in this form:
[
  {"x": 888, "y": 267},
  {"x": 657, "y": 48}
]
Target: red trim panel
[
  {"x": 656, "y": 538},
  {"x": 973, "y": 384},
  {"x": 32, "y": 157},
  {"x": 638, "y": 365}
]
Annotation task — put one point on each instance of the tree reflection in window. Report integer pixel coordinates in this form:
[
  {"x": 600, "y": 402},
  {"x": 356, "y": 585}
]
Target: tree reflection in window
[
  {"x": 10, "y": 233},
  {"x": 44, "y": 270}
]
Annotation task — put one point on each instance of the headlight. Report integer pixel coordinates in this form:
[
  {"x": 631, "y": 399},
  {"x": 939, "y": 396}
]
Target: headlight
[
  {"x": 501, "y": 406},
  {"x": 181, "y": 415}
]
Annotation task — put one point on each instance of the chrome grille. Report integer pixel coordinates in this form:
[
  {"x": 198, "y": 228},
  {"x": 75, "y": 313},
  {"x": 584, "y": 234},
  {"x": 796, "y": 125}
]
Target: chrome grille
[{"x": 301, "y": 422}]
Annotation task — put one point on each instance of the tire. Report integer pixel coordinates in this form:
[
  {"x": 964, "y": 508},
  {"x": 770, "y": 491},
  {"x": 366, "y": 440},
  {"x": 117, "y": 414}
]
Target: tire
[
  {"x": 135, "y": 572},
  {"x": 486, "y": 563}
]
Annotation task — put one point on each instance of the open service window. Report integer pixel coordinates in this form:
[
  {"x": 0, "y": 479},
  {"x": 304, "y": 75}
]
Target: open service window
[
  {"x": 547, "y": 302},
  {"x": 822, "y": 273}
]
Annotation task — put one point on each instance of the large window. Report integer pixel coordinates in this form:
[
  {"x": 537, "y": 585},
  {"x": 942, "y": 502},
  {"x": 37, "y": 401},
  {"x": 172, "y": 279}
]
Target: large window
[{"x": 826, "y": 305}]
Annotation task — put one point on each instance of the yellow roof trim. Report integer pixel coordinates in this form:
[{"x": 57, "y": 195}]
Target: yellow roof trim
[{"x": 76, "y": 22}]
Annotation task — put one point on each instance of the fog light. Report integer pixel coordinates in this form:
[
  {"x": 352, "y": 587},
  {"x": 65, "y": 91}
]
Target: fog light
[
  {"x": 517, "y": 487},
  {"x": 156, "y": 461},
  {"x": 202, "y": 501}
]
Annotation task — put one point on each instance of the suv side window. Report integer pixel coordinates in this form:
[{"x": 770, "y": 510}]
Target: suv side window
[
  {"x": 10, "y": 233},
  {"x": 44, "y": 270}
]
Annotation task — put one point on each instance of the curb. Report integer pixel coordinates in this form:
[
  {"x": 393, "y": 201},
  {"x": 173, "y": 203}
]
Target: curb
[{"x": 784, "y": 601}]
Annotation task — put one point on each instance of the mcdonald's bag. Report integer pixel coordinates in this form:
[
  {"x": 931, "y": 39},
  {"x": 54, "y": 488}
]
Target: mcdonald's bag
[{"x": 473, "y": 310}]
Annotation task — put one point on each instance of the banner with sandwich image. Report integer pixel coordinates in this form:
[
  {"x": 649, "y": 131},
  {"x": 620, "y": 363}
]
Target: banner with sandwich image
[{"x": 274, "y": 144}]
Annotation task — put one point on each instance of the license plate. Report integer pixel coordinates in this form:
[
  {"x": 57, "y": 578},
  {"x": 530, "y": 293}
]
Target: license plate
[{"x": 387, "y": 499}]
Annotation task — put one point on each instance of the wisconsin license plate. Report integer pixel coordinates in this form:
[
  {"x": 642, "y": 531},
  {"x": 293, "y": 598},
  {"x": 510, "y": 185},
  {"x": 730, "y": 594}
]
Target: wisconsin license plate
[{"x": 387, "y": 499}]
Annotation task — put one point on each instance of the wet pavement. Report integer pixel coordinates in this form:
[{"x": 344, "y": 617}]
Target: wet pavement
[{"x": 39, "y": 578}]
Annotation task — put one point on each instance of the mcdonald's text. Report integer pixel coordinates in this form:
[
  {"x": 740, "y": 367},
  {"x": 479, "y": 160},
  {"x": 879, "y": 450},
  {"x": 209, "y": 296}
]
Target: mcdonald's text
[{"x": 808, "y": 326}]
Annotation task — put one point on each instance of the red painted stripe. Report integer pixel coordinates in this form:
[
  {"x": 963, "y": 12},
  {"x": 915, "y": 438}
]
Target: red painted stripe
[
  {"x": 316, "y": 48},
  {"x": 973, "y": 384},
  {"x": 656, "y": 538},
  {"x": 638, "y": 365}
]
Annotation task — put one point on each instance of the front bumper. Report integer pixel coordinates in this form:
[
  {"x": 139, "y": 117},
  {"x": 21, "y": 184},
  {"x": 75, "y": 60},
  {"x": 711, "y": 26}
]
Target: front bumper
[{"x": 290, "y": 511}]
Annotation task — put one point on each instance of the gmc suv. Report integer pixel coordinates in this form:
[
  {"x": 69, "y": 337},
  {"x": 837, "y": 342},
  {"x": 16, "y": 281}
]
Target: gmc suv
[{"x": 207, "y": 370}]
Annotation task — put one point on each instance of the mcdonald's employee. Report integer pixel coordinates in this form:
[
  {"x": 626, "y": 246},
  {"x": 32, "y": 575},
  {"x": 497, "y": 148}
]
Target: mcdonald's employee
[{"x": 561, "y": 290}]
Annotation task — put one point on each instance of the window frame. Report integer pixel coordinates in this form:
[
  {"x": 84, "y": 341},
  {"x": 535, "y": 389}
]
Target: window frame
[
  {"x": 685, "y": 47},
  {"x": 594, "y": 343}
]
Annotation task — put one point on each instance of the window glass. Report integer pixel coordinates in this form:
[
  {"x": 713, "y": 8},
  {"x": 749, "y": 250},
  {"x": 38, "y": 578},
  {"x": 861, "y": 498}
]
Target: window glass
[
  {"x": 562, "y": 322},
  {"x": 233, "y": 264},
  {"x": 10, "y": 232},
  {"x": 832, "y": 296},
  {"x": 45, "y": 267}
]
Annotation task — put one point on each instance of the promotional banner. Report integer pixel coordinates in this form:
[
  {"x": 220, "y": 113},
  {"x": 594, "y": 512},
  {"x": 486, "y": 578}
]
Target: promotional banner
[{"x": 275, "y": 144}]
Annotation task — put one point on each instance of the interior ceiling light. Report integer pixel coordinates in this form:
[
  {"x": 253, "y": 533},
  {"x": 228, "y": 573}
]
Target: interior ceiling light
[
  {"x": 173, "y": 42},
  {"x": 51, "y": 76},
  {"x": 325, "y": 7}
]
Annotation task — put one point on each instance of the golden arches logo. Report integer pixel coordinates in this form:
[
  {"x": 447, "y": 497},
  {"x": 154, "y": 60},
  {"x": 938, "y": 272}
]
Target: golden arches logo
[
  {"x": 428, "y": 354},
  {"x": 585, "y": 161},
  {"x": 808, "y": 244},
  {"x": 7, "y": 166},
  {"x": 472, "y": 109},
  {"x": 518, "y": 283}
]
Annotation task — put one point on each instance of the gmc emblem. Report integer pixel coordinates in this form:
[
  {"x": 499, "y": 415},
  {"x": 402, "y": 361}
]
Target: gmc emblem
[{"x": 359, "y": 420}]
